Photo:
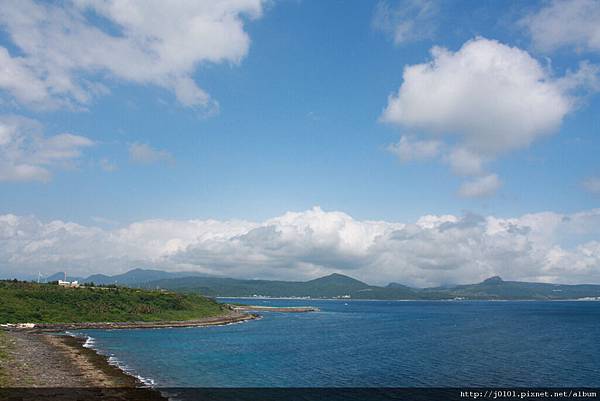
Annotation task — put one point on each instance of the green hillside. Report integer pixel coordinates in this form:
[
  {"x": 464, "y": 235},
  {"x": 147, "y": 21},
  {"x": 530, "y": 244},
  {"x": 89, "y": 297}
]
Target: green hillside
[
  {"x": 496, "y": 288},
  {"x": 47, "y": 303},
  {"x": 332, "y": 286},
  {"x": 329, "y": 286},
  {"x": 338, "y": 286}
]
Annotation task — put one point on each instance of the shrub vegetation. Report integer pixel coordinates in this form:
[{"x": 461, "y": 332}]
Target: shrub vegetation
[{"x": 25, "y": 302}]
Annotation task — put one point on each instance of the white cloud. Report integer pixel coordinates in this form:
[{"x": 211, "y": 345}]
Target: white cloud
[
  {"x": 487, "y": 98},
  {"x": 66, "y": 56},
  {"x": 465, "y": 162},
  {"x": 407, "y": 21},
  {"x": 22, "y": 83},
  {"x": 486, "y": 185},
  {"x": 586, "y": 79},
  {"x": 408, "y": 149},
  {"x": 27, "y": 155},
  {"x": 592, "y": 185},
  {"x": 144, "y": 154},
  {"x": 496, "y": 98},
  {"x": 545, "y": 246},
  {"x": 565, "y": 23}
]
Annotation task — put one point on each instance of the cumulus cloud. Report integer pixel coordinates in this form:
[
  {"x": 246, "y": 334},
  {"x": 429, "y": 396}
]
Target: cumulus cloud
[
  {"x": 547, "y": 246},
  {"x": 565, "y": 23},
  {"x": 495, "y": 97},
  {"x": 407, "y": 20},
  {"x": 487, "y": 98},
  {"x": 144, "y": 154},
  {"x": 27, "y": 155},
  {"x": 65, "y": 57}
]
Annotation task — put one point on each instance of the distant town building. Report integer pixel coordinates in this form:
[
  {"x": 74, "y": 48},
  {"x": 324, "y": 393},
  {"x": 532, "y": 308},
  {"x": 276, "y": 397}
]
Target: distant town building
[
  {"x": 65, "y": 283},
  {"x": 72, "y": 284},
  {"x": 18, "y": 325}
]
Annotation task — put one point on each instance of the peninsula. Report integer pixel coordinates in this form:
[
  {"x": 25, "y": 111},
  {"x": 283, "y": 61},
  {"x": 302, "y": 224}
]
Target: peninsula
[
  {"x": 31, "y": 358},
  {"x": 50, "y": 307}
]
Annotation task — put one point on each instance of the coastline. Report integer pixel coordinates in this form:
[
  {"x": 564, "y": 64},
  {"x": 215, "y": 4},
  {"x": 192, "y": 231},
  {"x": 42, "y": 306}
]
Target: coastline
[
  {"x": 230, "y": 318},
  {"x": 47, "y": 361},
  {"x": 585, "y": 299},
  {"x": 283, "y": 309},
  {"x": 60, "y": 367}
]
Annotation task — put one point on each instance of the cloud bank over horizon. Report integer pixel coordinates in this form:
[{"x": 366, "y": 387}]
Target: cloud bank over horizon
[{"x": 434, "y": 250}]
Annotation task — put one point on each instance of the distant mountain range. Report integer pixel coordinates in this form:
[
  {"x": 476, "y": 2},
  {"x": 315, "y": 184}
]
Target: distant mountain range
[{"x": 338, "y": 286}]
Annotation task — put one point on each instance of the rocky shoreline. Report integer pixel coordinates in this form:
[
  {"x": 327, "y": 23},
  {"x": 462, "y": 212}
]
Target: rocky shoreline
[
  {"x": 36, "y": 364},
  {"x": 40, "y": 361},
  {"x": 58, "y": 367}
]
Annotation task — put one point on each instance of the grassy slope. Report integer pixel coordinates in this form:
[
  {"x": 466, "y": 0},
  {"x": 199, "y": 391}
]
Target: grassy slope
[{"x": 46, "y": 303}]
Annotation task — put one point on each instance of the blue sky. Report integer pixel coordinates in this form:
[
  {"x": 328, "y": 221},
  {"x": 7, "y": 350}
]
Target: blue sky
[
  {"x": 298, "y": 126},
  {"x": 300, "y": 118}
]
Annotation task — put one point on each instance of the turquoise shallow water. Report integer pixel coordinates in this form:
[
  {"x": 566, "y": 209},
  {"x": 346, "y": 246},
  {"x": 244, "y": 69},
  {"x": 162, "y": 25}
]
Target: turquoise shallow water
[{"x": 374, "y": 343}]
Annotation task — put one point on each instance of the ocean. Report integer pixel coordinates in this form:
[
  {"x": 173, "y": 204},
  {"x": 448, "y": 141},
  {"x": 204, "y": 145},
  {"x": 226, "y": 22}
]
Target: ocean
[{"x": 373, "y": 344}]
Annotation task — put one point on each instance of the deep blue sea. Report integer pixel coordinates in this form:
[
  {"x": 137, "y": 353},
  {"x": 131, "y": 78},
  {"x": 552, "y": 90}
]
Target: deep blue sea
[{"x": 374, "y": 343}]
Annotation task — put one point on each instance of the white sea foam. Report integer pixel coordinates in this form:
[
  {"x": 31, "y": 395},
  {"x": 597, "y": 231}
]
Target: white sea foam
[
  {"x": 146, "y": 381},
  {"x": 89, "y": 342},
  {"x": 112, "y": 360},
  {"x": 239, "y": 322}
]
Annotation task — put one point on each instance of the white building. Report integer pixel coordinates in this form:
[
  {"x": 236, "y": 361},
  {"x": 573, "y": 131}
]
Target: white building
[{"x": 73, "y": 284}]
